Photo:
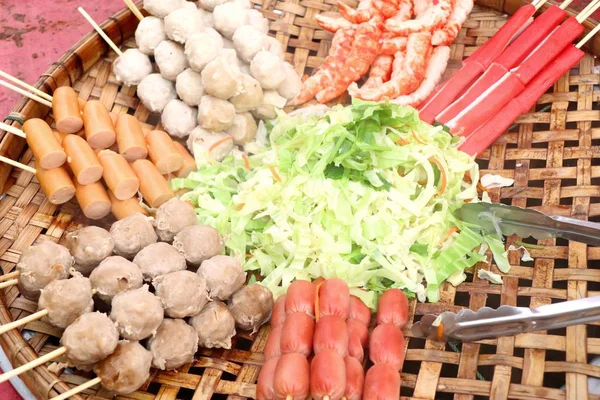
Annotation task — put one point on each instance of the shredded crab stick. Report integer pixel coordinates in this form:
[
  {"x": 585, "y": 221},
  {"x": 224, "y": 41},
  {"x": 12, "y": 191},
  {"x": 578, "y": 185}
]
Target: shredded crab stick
[
  {"x": 516, "y": 52},
  {"x": 327, "y": 376},
  {"x": 513, "y": 82},
  {"x": 487, "y": 133},
  {"x": 300, "y": 297},
  {"x": 446, "y": 35},
  {"x": 475, "y": 65}
]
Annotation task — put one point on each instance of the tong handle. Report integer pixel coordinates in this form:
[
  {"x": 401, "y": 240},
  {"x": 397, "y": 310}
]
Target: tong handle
[
  {"x": 579, "y": 230},
  {"x": 515, "y": 320}
]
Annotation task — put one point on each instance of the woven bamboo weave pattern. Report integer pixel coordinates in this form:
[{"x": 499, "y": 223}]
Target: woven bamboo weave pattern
[{"x": 552, "y": 153}]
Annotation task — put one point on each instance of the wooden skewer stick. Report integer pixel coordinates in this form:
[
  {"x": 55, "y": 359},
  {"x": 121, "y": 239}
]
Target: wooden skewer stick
[
  {"x": 11, "y": 275},
  {"x": 589, "y": 10},
  {"x": 78, "y": 389},
  {"x": 100, "y": 31},
  {"x": 133, "y": 8},
  {"x": 8, "y": 283},
  {"x": 565, "y": 4},
  {"x": 25, "y": 93},
  {"x": 12, "y": 129},
  {"x": 17, "y": 164},
  {"x": 588, "y": 36},
  {"x": 539, "y": 4},
  {"x": 23, "y": 321},
  {"x": 33, "y": 364},
  {"x": 25, "y": 85}
]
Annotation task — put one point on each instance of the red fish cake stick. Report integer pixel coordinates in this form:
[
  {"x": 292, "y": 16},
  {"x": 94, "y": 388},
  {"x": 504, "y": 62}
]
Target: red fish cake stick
[
  {"x": 292, "y": 376},
  {"x": 382, "y": 382},
  {"x": 327, "y": 376},
  {"x": 300, "y": 297},
  {"x": 297, "y": 334},
  {"x": 387, "y": 346},
  {"x": 331, "y": 333},
  {"x": 334, "y": 298},
  {"x": 393, "y": 308}
]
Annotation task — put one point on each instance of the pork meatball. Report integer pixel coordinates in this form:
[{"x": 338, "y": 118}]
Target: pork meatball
[
  {"x": 209, "y": 5},
  {"x": 174, "y": 344},
  {"x": 250, "y": 97},
  {"x": 248, "y": 41},
  {"x": 170, "y": 58},
  {"x": 189, "y": 87},
  {"x": 87, "y": 346},
  {"x": 291, "y": 85},
  {"x": 66, "y": 300},
  {"x": 149, "y": 33},
  {"x": 125, "y": 370},
  {"x": 182, "y": 293},
  {"x": 159, "y": 259},
  {"x": 228, "y": 17},
  {"x": 223, "y": 275},
  {"x": 222, "y": 77},
  {"x": 180, "y": 24},
  {"x": 257, "y": 20},
  {"x": 217, "y": 145},
  {"x": 215, "y": 114},
  {"x": 41, "y": 264},
  {"x": 162, "y": 8},
  {"x": 137, "y": 313},
  {"x": 155, "y": 92},
  {"x": 251, "y": 306},
  {"x": 132, "y": 234},
  {"x": 268, "y": 69},
  {"x": 202, "y": 48},
  {"x": 131, "y": 67},
  {"x": 198, "y": 243},
  {"x": 172, "y": 217},
  {"x": 214, "y": 326},
  {"x": 89, "y": 246},
  {"x": 243, "y": 129},
  {"x": 179, "y": 119},
  {"x": 115, "y": 275}
]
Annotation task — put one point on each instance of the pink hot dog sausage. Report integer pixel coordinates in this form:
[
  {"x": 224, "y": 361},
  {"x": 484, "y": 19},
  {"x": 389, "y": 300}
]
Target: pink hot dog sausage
[
  {"x": 278, "y": 313},
  {"x": 387, "y": 346},
  {"x": 264, "y": 386},
  {"x": 273, "y": 346},
  {"x": 300, "y": 297},
  {"x": 327, "y": 376},
  {"x": 358, "y": 329},
  {"x": 331, "y": 333},
  {"x": 291, "y": 380},
  {"x": 393, "y": 308},
  {"x": 359, "y": 311},
  {"x": 355, "y": 378},
  {"x": 355, "y": 349},
  {"x": 334, "y": 298},
  {"x": 382, "y": 382},
  {"x": 297, "y": 334}
]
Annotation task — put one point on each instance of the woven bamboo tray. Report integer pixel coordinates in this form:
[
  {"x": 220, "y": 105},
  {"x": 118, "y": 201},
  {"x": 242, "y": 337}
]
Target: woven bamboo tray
[{"x": 553, "y": 153}]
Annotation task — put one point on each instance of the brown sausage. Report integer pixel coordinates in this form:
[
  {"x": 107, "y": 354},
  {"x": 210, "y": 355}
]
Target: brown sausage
[
  {"x": 44, "y": 145},
  {"x": 130, "y": 138},
  {"x": 189, "y": 163},
  {"x": 93, "y": 200},
  {"x": 300, "y": 297},
  {"x": 358, "y": 329},
  {"x": 382, "y": 382},
  {"x": 355, "y": 377},
  {"x": 334, "y": 298},
  {"x": 393, "y": 308},
  {"x": 292, "y": 377},
  {"x": 327, "y": 376},
  {"x": 264, "y": 386},
  {"x": 297, "y": 334},
  {"x": 153, "y": 185},
  {"x": 99, "y": 129},
  {"x": 124, "y": 208},
  {"x": 331, "y": 333},
  {"x": 387, "y": 346},
  {"x": 163, "y": 152},
  {"x": 278, "y": 313},
  {"x": 273, "y": 346},
  {"x": 56, "y": 183},
  {"x": 118, "y": 175},
  {"x": 65, "y": 107},
  {"x": 83, "y": 160},
  {"x": 359, "y": 311}
]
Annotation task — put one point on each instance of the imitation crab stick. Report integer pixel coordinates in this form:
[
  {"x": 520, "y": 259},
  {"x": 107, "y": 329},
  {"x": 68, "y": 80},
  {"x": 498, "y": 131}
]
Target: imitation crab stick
[
  {"x": 487, "y": 133},
  {"x": 475, "y": 65},
  {"x": 511, "y": 57},
  {"x": 514, "y": 81}
]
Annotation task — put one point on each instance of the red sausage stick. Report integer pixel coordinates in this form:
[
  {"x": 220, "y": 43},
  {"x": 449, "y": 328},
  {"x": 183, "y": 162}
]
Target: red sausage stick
[
  {"x": 297, "y": 334},
  {"x": 359, "y": 311},
  {"x": 358, "y": 339},
  {"x": 301, "y": 298},
  {"x": 355, "y": 377},
  {"x": 273, "y": 346},
  {"x": 264, "y": 387},
  {"x": 327, "y": 376},
  {"x": 291, "y": 379},
  {"x": 334, "y": 298},
  {"x": 387, "y": 346},
  {"x": 393, "y": 308},
  {"x": 331, "y": 333},
  {"x": 381, "y": 383},
  {"x": 278, "y": 313}
]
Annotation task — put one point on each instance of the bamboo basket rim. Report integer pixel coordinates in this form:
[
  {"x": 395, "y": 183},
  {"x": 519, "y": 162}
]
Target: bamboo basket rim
[{"x": 67, "y": 70}]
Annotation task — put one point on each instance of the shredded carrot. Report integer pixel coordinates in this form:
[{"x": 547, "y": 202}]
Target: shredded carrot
[
  {"x": 240, "y": 206},
  {"x": 481, "y": 187},
  {"x": 448, "y": 233},
  {"x": 422, "y": 182},
  {"x": 402, "y": 142},
  {"x": 443, "y": 176},
  {"x": 275, "y": 174},
  {"x": 440, "y": 332},
  {"x": 246, "y": 161},
  {"x": 317, "y": 301},
  {"x": 400, "y": 173},
  {"x": 415, "y": 136},
  {"x": 219, "y": 142},
  {"x": 467, "y": 177},
  {"x": 249, "y": 255}
]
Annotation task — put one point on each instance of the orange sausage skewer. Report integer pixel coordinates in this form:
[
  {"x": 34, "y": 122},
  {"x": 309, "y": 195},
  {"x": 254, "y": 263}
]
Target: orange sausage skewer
[
  {"x": 82, "y": 159},
  {"x": 153, "y": 186},
  {"x": 124, "y": 208},
  {"x": 45, "y": 146},
  {"x": 118, "y": 175},
  {"x": 163, "y": 152}
]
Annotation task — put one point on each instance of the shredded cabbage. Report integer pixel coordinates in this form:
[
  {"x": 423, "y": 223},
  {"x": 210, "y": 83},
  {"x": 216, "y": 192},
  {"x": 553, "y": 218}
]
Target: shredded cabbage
[{"x": 364, "y": 193}]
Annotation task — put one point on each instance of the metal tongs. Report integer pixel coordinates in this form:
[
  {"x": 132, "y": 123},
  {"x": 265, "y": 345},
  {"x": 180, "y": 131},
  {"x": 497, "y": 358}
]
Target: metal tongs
[{"x": 488, "y": 323}]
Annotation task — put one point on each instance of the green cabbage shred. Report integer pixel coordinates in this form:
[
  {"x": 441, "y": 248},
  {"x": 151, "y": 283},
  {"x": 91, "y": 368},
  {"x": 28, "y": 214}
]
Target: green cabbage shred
[{"x": 357, "y": 193}]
